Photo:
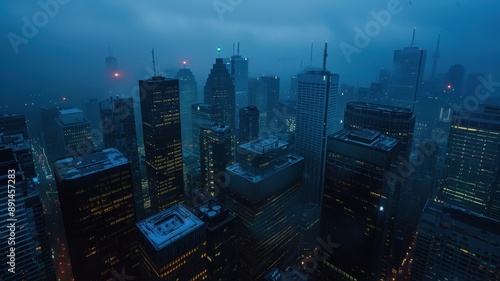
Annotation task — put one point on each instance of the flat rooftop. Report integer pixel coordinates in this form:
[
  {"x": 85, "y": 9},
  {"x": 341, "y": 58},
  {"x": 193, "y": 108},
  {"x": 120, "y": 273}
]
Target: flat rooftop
[
  {"x": 289, "y": 160},
  {"x": 70, "y": 111},
  {"x": 367, "y": 137},
  {"x": 264, "y": 145},
  {"x": 75, "y": 167},
  {"x": 168, "y": 226},
  {"x": 380, "y": 107}
]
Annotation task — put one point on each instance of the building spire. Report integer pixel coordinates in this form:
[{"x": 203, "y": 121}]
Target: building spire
[
  {"x": 413, "y": 37},
  {"x": 324, "y": 57},
  {"x": 238, "y": 52},
  {"x": 153, "y": 60},
  {"x": 435, "y": 57}
]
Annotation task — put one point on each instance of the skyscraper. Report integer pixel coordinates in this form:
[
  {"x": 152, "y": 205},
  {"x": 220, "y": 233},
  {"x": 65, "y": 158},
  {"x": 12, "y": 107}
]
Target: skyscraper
[
  {"x": 472, "y": 163},
  {"x": 26, "y": 251},
  {"x": 406, "y": 77},
  {"x": 249, "y": 124},
  {"x": 118, "y": 128},
  {"x": 74, "y": 134},
  {"x": 172, "y": 246},
  {"x": 216, "y": 152},
  {"x": 262, "y": 191},
  {"x": 265, "y": 96},
  {"x": 50, "y": 136},
  {"x": 188, "y": 92},
  {"x": 397, "y": 122},
  {"x": 316, "y": 108},
  {"x": 97, "y": 206},
  {"x": 202, "y": 114},
  {"x": 161, "y": 122},
  {"x": 221, "y": 225},
  {"x": 219, "y": 92},
  {"x": 237, "y": 67},
  {"x": 12, "y": 124},
  {"x": 356, "y": 208},
  {"x": 456, "y": 244}
]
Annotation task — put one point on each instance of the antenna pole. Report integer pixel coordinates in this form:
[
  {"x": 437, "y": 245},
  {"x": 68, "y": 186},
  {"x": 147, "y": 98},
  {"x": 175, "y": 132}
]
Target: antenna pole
[
  {"x": 324, "y": 57},
  {"x": 154, "y": 61},
  {"x": 311, "y": 62},
  {"x": 238, "y": 53},
  {"x": 413, "y": 37}
]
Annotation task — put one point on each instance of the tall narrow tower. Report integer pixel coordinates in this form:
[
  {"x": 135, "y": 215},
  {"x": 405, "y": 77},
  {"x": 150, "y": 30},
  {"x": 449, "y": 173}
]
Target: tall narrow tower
[
  {"x": 161, "y": 121},
  {"x": 316, "y": 107},
  {"x": 219, "y": 92}
]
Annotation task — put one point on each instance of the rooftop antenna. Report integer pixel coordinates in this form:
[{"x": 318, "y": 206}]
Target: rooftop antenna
[
  {"x": 324, "y": 57},
  {"x": 311, "y": 63},
  {"x": 154, "y": 61},
  {"x": 413, "y": 37},
  {"x": 238, "y": 53},
  {"x": 435, "y": 57}
]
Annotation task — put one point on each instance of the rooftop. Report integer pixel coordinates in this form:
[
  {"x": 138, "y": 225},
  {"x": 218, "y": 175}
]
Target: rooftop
[
  {"x": 75, "y": 167},
  {"x": 367, "y": 137},
  {"x": 70, "y": 111},
  {"x": 168, "y": 226},
  {"x": 237, "y": 169},
  {"x": 263, "y": 145},
  {"x": 380, "y": 107}
]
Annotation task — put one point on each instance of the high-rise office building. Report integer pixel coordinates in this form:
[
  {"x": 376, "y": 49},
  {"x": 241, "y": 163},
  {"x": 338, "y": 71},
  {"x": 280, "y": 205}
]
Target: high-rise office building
[
  {"x": 294, "y": 88},
  {"x": 264, "y": 95},
  {"x": 13, "y": 124},
  {"x": 50, "y": 136},
  {"x": 119, "y": 131},
  {"x": 356, "y": 208},
  {"x": 316, "y": 108},
  {"x": 22, "y": 150},
  {"x": 216, "y": 153},
  {"x": 202, "y": 114},
  {"x": 406, "y": 77},
  {"x": 237, "y": 66},
  {"x": 90, "y": 108},
  {"x": 26, "y": 251},
  {"x": 161, "y": 123},
  {"x": 455, "y": 244},
  {"x": 172, "y": 246},
  {"x": 188, "y": 92},
  {"x": 221, "y": 226},
  {"x": 397, "y": 122},
  {"x": 270, "y": 89},
  {"x": 74, "y": 134},
  {"x": 219, "y": 92},
  {"x": 249, "y": 124},
  {"x": 97, "y": 206},
  {"x": 472, "y": 163},
  {"x": 268, "y": 192}
]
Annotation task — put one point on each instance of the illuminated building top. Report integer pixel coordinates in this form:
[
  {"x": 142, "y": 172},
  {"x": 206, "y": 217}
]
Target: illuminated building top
[
  {"x": 74, "y": 167},
  {"x": 169, "y": 226}
]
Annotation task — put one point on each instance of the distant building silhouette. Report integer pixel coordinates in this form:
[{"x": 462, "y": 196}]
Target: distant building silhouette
[
  {"x": 219, "y": 92},
  {"x": 73, "y": 133},
  {"x": 249, "y": 124},
  {"x": 188, "y": 93}
]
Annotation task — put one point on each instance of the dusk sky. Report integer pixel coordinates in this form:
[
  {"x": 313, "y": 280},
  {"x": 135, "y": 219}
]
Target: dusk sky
[{"x": 65, "y": 55}]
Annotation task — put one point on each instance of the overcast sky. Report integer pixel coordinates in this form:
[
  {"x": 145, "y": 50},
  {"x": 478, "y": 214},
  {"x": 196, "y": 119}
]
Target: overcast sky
[{"x": 64, "y": 56}]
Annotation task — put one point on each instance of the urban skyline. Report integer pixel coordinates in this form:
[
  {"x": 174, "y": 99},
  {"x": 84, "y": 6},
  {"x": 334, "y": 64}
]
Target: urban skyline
[{"x": 303, "y": 153}]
